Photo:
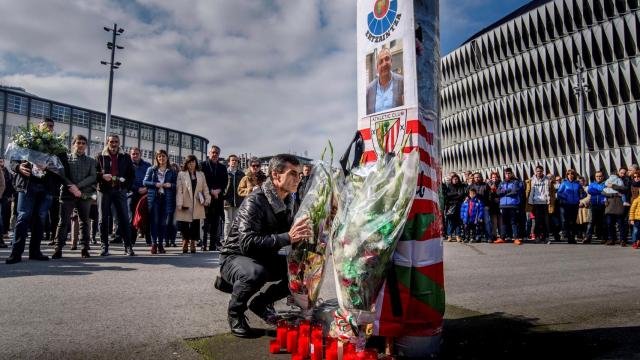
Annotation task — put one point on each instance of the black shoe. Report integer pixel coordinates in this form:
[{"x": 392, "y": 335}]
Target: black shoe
[
  {"x": 267, "y": 313},
  {"x": 13, "y": 259},
  {"x": 57, "y": 254},
  {"x": 199, "y": 243},
  {"x": 105, "y": 252},
  {"x": 222, "y": 285},
  {"x": 130, "y": 252},
  {"x": 173, "y": 244},
  {"x": 39, "y": 257},
  {"x": 239, "y": 326},
  {"x": 74, "y": 248},
  {"x": 51, "y": 243},
  {"x": 2, "y": 244},
  {"x": 85, "y": 253}
]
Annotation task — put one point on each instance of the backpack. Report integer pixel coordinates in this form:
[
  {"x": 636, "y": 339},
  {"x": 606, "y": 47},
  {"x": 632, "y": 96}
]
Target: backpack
[{"x": 141, "y": 217}]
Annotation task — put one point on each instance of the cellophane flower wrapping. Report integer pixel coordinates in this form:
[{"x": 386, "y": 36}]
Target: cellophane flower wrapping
[
  {"x": 306, "y": 261},
  {"x": 39, "y": 147},
  {"x": 373, "y": 207}
]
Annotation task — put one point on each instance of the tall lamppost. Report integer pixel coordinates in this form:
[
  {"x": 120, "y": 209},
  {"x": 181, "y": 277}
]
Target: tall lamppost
[
  {"x": 112, "y": 66},
  {"x": 580, "y": 90}
]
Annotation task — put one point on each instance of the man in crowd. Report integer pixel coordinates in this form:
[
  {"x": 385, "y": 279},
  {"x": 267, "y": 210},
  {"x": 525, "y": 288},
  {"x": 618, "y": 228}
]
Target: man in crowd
[
  {"x": 304, "y": 182},
  {"x": 138, "y": 190},
  {"x": 540, "y": 200},
  {"x": 6, "y": 202},
  {"x": 232, "y": 199},
  {"x": 598, "y": 206},
  {"x": 386, "y": 91},
  {"x": 626, "y": 195},
  {"x": 115, "y": 177},
  {"x": 35, "y": 195},
  {"x": 250, "y": 256},
  {"x": 483, "y": 192},
  {"x": 80, "y": 186},
  {"x": 216, "y": 175},
  {"x": 510, "y": 193}
]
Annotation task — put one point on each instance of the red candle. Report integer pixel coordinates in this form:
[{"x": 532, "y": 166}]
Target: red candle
[
  {"x": 316, "y": 334},
  {"x": 316, "y": 350},
  {"x": 332, "y": 354},
  {"x": 292, "y": 340},
  {"x": 281, "y": 334},
  {"x": 349, "y": 348},
  {"x": 371, "y": 354},
  {"x": 296, "y": 357},
  {"x": 305, "y": 326},
  {"x": 274, "y": 346},
  {"x": 303, "y": 346}
]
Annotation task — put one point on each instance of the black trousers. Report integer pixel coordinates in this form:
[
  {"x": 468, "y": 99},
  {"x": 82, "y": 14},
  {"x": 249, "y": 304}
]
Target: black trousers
[
  {"x": 211, "y": 228},
  {"x": 248, "y": 275},
  {"x": 118, "y": 198},
  {"x": 190, "y": 230},
  {"x": 541, "y": 215},
  {"x": 597, "y": 224},
  {"x": 66, "y": 209}
]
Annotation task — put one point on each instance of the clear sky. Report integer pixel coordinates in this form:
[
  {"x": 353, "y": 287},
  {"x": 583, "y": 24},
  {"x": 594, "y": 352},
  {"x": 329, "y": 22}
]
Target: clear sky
[{"x": 252, "y": 76}]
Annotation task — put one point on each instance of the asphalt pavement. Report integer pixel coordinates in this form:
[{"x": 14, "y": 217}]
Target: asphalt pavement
[{"x": 144, "y": 307}]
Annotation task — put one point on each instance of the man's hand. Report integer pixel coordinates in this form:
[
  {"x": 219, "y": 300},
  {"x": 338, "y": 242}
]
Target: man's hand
[
  {"x": 300, "y": 230},
  {"x": 166, "y": 185},
  {"x": 631, "y": 222},
  {"x": 107, "y": 177},
  {"x": 158, "y": 186},
  {"x": 215, "y": 193},
  {"x": 24, "y": 169},
  {"x": 142, "y": 190},
  {"x": 73, "y": 189}
]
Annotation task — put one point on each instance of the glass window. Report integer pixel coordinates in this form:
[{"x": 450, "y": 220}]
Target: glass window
[
  {"x": 1, "y": 101},
  {"x": 161, "y": 136},
  {"x": 97, "y": 122},
  {"x": 17, "y": 104},
  {"x": 39, "y": 109},
  {"x": 80, "y": 118},
  {"x": 186, "y": 141},
  {"x": 197, "y": 144},
  {"x": 116, "y": 126},
  {"x": 131, "y": 129},
  {"x": 146, "y": 132},
  {"x": 61, "y": 113},
  {"x": 174, "y": 139}
]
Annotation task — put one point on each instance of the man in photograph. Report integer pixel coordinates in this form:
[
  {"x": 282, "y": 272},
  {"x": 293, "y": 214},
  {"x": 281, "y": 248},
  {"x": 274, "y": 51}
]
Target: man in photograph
[{"x": 386, "y": 91}]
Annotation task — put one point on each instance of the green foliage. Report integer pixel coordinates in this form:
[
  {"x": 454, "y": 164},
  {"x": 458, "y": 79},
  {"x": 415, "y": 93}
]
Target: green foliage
[{"x": 42, "y": 140}]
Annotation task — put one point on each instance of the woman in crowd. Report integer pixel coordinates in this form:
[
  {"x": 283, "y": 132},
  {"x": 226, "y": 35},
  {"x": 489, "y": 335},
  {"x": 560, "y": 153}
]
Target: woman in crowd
[
  {"x": 614, "y": 211},
  {"x": 494, "y": 204},
  {"x": 191, "y": 198},
  {"x": 454, "y": 195},
  {"x": 254, "y": 178},
  {"x": 584, "y": 212},
  {"x": 161, "y": 182},
  {"x": 570, "y": 192}
]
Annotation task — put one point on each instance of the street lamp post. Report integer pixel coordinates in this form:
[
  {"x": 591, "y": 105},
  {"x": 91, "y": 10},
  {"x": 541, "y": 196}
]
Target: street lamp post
[
  {"x": 580, "y": 90},
  {"x": 112, "y": 66}
]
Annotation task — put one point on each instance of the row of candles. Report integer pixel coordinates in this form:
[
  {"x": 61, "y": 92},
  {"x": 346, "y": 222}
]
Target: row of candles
[{"x": 305, "y": 341}]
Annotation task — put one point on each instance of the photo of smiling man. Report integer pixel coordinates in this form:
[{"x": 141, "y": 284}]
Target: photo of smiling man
[{"x": 386, "y": 91}]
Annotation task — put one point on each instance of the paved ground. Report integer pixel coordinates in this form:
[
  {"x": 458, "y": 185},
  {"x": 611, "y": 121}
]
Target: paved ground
[{"x": 143, "y": 307}]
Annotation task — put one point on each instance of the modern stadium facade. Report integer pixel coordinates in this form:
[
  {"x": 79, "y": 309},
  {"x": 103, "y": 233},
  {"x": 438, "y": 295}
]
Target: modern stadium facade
[
  {"x": 508, "y": 96},
  {"x": 19, "y": 108}
]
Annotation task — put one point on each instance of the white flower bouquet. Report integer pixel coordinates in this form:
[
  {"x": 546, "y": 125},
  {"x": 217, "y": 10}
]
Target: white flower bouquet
[{"x": 39, "y": 147}]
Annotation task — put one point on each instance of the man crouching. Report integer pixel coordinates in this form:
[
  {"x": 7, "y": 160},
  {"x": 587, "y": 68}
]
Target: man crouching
[{"x": 249, "y": 256}]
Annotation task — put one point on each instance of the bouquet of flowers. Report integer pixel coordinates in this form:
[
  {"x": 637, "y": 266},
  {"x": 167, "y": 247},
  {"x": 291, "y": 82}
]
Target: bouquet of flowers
[
  {"x": 39, "y": 147},
  {"x": 372, "y": 212},
  {"x": 307, "y": 258}
]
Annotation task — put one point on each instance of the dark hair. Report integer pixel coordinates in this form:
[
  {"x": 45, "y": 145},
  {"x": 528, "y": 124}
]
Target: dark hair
[
  {"x": 539, "y": 167},
  {"x": 79, "y": 137},
  {"x": 189, "y": 159},
  {"x": 47, "y": 119},
  {"x": 473, "y": 190},
  {"x": 278, "y": 162},
  {"x": 508, "y": 170},
  {"x": 571, "y": 172},
  {"x": 161, "y": 152},
  {"x": 232, "y": 156},
  {"x": 215, "y": 147}
]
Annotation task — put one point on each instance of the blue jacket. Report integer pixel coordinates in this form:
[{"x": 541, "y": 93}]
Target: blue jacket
[
  {"x": 150, "y": 181},
  {"x": 141, "y": 172},
  {"x": 510, "y": 193},
  {"x": 595, "y": 190},
  {"x": 477, "y": 212},
  {"x": 570, "y": 192}
]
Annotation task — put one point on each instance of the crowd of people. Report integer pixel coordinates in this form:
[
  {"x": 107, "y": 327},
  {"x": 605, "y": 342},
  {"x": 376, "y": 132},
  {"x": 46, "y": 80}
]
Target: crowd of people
[
  {"x": 122, "y": 195},
  {"x": 544, "y": 208}
]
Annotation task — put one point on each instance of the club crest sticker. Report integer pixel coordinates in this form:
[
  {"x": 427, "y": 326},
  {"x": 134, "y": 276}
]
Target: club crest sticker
[
  {"x": 388, "y": 131},
  {"x": 382, "y": 20}
]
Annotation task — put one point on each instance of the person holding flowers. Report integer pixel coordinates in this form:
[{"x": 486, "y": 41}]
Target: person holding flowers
[
  {"x": 249, "y": 256},
  {"x": 115, "y": 177},
  {"x": 77, "y": 194},
  {"x": 36, "y": 155}
]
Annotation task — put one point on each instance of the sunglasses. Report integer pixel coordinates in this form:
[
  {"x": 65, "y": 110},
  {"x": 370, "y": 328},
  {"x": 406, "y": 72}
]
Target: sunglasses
[{"x": 255, "y": 165}]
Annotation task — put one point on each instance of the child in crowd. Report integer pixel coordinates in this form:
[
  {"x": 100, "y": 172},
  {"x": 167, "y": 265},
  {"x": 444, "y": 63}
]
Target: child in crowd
[
  {"x": 471, "y": 213},
  {"x": 634, "y": 220}
]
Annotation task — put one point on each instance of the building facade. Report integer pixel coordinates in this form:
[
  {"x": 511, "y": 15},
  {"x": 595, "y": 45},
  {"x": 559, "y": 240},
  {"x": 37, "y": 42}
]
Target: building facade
[
  {"x": 19, "y": 108},
  {"x": 508, "y": 94}
]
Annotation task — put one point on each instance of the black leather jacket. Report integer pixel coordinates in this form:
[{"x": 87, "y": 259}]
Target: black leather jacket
[{"x": 261, "y": 227}]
